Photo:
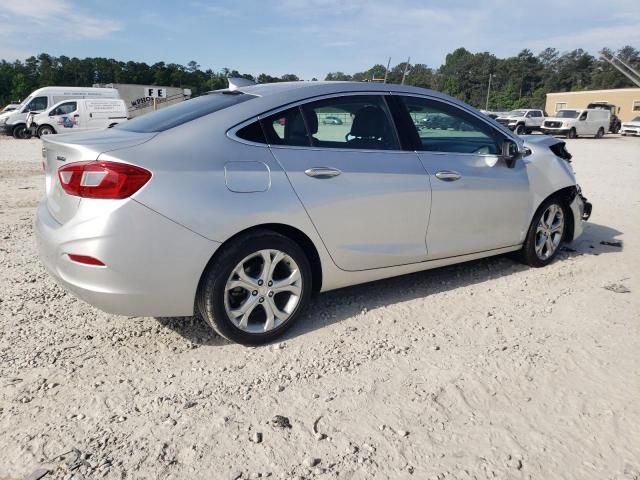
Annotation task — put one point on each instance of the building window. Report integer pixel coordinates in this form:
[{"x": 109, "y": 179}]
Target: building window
[
  {"x": 561, "y": 106},
  {"x": 636, "y": 105}
]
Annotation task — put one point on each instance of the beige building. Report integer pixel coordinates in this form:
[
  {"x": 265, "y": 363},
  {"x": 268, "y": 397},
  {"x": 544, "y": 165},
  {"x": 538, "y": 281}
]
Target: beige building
[{"x": 627, "y": 101}]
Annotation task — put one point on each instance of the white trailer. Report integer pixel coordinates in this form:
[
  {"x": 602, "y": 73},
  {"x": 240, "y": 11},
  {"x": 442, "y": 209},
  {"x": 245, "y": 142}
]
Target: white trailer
[{"x": 140, "y": 102}]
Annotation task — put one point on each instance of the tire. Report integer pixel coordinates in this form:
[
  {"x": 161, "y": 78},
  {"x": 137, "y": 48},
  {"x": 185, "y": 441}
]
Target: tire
[
  {"x": 20, "y": 132},
  {"x": 45, "y": 130},
  {"x": 520, "y": 130},
  {"x": 600, "y": 133},
  {"x": 572, "y": 133},
  {"x": 543, "y": 241},
  {"x": 218, "y": 298},
  {"x": 616, "y": 128}
]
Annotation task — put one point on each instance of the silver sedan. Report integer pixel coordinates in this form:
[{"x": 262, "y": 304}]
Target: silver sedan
[{"x": 241, "y": 203}]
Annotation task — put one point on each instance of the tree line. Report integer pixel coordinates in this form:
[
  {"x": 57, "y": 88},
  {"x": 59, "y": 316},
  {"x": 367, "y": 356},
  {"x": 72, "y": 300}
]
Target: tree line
[{"x": 519, "y": 81}]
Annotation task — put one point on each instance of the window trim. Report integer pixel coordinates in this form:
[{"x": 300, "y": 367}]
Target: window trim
[
  {"x": 490, "y": 126},
  {"x": 635, "y": 105},
  {"x": 231, "y": 132}
]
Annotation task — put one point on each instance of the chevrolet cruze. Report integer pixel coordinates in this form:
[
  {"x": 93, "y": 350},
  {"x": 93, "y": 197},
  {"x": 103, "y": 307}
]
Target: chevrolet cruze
[{"x": 241, "y": 203}]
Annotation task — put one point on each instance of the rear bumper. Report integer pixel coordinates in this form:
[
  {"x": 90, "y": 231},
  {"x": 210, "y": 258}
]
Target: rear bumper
[{"x": 153, "y": 265}]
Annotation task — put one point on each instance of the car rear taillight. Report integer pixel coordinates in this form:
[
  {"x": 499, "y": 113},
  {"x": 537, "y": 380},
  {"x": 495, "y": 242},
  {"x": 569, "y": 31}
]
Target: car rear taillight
[{"x": 107, "y": 180}]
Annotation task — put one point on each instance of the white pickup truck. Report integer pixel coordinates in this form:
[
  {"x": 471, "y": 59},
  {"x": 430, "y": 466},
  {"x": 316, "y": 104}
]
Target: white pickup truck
[{"x": 522, "y": 121}]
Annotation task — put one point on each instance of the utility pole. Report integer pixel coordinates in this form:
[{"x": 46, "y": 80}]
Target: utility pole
[
  {"x": 406, "y": 67},
  {"x": 486, "y": 105},
  {"x": 386, "y": 72}
]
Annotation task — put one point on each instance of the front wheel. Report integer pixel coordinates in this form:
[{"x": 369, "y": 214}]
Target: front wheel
[
  {"x": 21, "y": 133},
  {"x": 545, "y": 234},
  {"x": 45, "y": 130},
  {"x": 256, "y": 288},
  {"x": 572, "y": 133},
  {"x": 520, "y": 130}
]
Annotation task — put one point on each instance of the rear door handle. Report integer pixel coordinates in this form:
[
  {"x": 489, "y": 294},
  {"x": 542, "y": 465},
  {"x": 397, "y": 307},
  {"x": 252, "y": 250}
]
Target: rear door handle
[
  {"x": 448, "y": 176},
  {"x": 322, "y": 172}
]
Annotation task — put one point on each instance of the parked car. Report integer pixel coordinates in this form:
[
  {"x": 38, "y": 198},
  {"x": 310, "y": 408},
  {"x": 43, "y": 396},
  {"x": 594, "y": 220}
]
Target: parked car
[
  {"x": 631, "y": 128},
  {"x": 614, "y": 121},
  {"x": 331, "y": 120},
  {"x": 10, "y": 108},
  {"x": 15, "y": 123},
  {"x": 78, "y": 115},
  {"x": 575, "y": 123},
  {"x": 212, "y": 206},
  {"x": 522, "y": 121}
]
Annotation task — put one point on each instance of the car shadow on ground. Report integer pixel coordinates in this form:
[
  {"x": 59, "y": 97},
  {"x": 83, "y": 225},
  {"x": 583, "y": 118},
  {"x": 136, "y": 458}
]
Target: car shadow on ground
[{"x": 333, "y": 307}]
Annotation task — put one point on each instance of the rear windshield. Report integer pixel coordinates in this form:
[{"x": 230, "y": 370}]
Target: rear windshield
[
  {"x": 567, "y": 114},
  {"x": 184, "y": 112}
]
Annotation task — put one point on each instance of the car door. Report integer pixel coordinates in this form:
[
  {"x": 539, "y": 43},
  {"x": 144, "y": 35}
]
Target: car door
[
  {"x": 368, "y": 199},
  {"x": 65, "y": 117},
  {"x": 478, "y": 203}
]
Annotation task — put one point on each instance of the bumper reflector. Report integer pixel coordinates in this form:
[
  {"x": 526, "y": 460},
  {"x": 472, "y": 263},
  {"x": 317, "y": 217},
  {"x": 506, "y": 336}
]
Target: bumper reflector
[{"x": 85, "y": 259}]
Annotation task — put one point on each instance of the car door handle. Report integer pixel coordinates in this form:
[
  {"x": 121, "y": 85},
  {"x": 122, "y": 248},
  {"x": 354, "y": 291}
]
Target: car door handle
[
  {"x": 448, "y": 176},
  {"x": 77, "y": 115},
  {"x": 322, "y": 172}
]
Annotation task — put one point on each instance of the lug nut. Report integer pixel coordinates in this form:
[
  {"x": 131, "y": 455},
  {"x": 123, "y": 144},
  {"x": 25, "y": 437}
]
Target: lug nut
[
  {"x": 270, "y": 284},
  {"x": 271, "y": 294},
  {"x": 260, "y": 282},
  {"x": 261, "y": 299},
  {"x": 254, "y": 293}
]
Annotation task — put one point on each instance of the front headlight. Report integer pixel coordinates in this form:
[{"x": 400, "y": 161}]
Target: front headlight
[{"x": 3, "y": 121}]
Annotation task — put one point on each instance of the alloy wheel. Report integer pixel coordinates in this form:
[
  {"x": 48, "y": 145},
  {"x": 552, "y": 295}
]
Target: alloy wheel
[
  {"x": 549, "y": 232},
  {"x": 263, "y": 291}
]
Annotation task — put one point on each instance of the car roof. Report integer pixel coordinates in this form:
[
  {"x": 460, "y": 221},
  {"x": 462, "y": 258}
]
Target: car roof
[{"x": 271, "y": 96}]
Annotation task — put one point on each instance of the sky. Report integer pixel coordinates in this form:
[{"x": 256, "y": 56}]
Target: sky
[{"x": 309, "y": 37}]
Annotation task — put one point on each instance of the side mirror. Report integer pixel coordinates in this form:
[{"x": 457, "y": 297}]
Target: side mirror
[{"x": 510, "y": 152}]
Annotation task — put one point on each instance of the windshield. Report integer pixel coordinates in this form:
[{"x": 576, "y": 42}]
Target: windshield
[
  {"x": 517, "y": 113},
  {"x": 25, "y": 102},
  {"x": 567, "y": 114},
  {"x": 184, "y": 112}
]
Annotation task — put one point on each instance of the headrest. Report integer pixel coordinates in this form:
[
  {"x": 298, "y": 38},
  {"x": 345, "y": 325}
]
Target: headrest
[{"x": 369, "y": 122}]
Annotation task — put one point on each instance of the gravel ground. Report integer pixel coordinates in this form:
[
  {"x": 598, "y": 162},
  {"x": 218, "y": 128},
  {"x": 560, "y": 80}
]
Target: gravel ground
[{"x": 483, "y": 370}]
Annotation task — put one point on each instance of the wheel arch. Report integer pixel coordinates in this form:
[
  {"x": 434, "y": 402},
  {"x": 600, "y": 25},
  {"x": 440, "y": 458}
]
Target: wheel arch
[
  {"x": 566, "y": 195},
  {"x": 293, "y": 233}
]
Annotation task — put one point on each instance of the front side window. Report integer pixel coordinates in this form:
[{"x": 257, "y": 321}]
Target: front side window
[
  {"x": 351, "y": 121},
  {"x": 35, "y": 105},
  {"x": 445, "y": 128},
  {"x": 64, "y": 109},
  {"x": 583, "y": 116}
]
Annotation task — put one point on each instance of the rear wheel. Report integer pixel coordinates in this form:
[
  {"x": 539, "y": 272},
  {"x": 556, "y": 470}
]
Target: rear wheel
[
  {"x": 45, "y": 130},
  {"x": 256, "y": 288},
  {"x": 545, "y": 234},
  {"x": 572, "y": 133},
  {"x": 600, "y": 133}
]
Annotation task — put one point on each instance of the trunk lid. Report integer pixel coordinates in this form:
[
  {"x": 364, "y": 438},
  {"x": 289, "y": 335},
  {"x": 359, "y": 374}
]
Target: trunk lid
[{"x": 59, "y": 150}]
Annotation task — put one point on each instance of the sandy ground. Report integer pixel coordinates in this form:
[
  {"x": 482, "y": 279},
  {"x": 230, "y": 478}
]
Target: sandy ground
[{"x": 482, "y": 370}]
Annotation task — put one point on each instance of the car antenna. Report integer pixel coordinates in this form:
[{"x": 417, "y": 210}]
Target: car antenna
[{"x": 237, "y": 82}]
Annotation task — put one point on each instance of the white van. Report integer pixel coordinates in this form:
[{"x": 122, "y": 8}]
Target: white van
[
  {"x": 78, "y": 116},
  {"x": 14, "y": 123},
  {"x": 578, "y": 122}
]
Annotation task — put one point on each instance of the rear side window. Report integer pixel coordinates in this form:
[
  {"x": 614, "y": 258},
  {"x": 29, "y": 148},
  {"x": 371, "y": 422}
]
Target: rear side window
[
  {"x": 252, "y": 133},
  {"x": 351, "y": 121},
  {"x": 184, "y": 112}
]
